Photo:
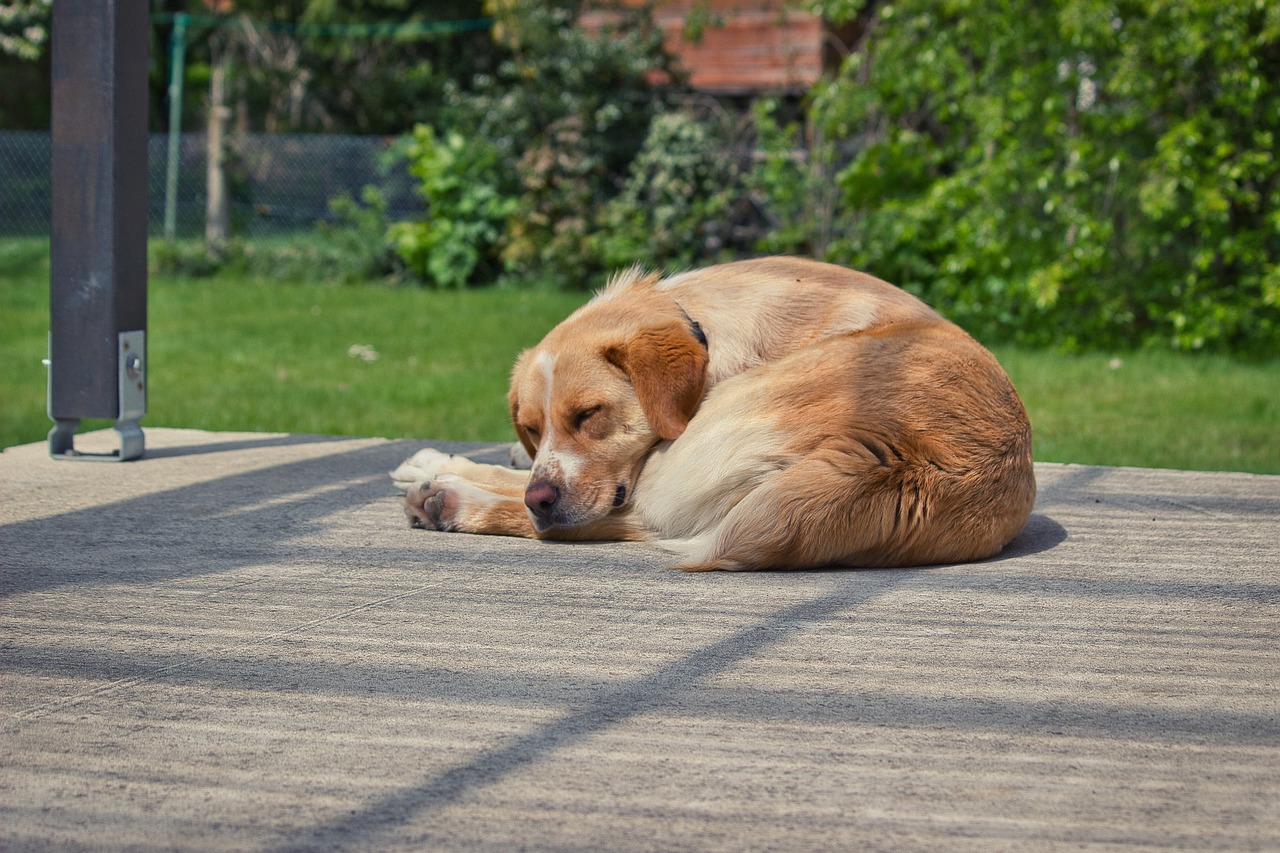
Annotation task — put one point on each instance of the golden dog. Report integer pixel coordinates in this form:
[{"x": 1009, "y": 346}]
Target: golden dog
[{"x": 768, "y": 414}]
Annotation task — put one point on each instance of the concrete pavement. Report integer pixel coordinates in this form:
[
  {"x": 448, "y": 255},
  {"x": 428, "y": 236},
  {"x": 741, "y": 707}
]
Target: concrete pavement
[{"x": 237, "y": 643}]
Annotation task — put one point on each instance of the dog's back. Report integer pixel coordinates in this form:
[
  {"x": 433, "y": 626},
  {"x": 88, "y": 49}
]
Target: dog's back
[
  {"x": 766, "y": 309},
  {"x": 849, "y": 424}
]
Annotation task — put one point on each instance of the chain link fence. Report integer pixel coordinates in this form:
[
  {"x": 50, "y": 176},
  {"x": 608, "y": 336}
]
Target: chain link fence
[
  {"x": 24, "y": 184},
  {"x": 278, "y": 183}
]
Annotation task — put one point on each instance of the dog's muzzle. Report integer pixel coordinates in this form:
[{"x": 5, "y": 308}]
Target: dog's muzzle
[{"x": 542, "y": 497}]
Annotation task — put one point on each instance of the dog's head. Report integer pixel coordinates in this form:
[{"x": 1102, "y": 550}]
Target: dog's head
[{"x": 590, "y": 401}]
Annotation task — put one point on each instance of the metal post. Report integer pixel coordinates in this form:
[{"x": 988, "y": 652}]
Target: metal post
[
  {"x": 98, "y": 277},
  {"x": 177, "y": 73}
]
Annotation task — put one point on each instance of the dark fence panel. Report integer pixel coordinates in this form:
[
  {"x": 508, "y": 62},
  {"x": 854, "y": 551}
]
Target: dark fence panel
[
  {"x": 279, "y": 183},
  {"x": 25, "y": 183}
]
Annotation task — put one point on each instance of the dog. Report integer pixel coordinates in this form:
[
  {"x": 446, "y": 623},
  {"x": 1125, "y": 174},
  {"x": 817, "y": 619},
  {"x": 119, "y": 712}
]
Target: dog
[{"x": 775, "y": 413}]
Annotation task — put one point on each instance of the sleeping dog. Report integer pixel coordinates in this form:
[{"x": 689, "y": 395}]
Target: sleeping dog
[{"x": 767, "y": 414}]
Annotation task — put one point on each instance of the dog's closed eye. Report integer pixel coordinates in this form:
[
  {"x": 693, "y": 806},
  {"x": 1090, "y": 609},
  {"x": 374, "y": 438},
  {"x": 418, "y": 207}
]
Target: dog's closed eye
[{"x": 583, "y": 415}]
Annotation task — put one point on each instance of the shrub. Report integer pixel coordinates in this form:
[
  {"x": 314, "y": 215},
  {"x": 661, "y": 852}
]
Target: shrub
[
  {"x": 673, "y": 209},
  {"x": 468, "y": 203},
  {"x": 1082, "y": 173},
  {"x": 566, "y": 113},
  {"x": 303, "y": 256},
  {"x": 547, "y": 236},
  {"x": 791, "y": 184},
  {"x": 360, "y": 237},
  {"x": 188, "y": 258}
]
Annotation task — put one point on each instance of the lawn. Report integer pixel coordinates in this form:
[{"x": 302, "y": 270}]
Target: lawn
[{"x": 251, "y": 353}]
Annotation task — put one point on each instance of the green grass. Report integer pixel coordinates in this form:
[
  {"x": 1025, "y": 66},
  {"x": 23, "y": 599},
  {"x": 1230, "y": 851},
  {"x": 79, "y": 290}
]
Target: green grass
[
  {"x": 1150, "y": 409},
  {"x": 230, "y": 353},
  {"x": 251, "y": 353}
]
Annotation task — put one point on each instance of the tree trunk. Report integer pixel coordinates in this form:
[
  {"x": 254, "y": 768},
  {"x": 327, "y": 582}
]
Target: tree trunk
[{"x": 218, "y": 208}]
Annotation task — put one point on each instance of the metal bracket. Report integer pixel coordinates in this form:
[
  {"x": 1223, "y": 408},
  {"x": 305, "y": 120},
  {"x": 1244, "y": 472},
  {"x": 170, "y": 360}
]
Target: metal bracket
[{"x": 132, "y": 383}]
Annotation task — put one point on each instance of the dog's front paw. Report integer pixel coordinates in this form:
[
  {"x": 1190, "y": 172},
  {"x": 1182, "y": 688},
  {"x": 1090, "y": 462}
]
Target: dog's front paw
[
  {"x": 433, "y": 505},
  {"x": 421, "y": 467},
  {"x": 519, "y": 458}
]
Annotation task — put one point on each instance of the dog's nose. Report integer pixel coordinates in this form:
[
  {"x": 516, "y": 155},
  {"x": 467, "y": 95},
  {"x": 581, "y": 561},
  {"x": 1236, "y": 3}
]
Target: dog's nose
[{"x": 541, "y": 497}]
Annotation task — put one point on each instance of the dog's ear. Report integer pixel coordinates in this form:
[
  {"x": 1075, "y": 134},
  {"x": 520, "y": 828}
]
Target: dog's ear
[
  {"x": 520, "y": 431},
  {"x": 667, "y": 366},
  {"x": 513, "y": 403}
]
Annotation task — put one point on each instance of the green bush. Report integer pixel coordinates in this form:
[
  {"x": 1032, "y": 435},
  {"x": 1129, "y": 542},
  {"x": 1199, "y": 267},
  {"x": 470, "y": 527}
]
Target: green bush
[
  {"x": 1082, "y": 173},
  {"x": 360, "y": 237},
  {"x": 328, "y": 255},
  {"x": 610, "y": 82},
  {"x": 566, "y": 111},
  {"x": 191, "y": 258},
  {"x": 560, "y": 182},
  {"x": 468, "y": 200},
  {"x": 673, "y": 209},
  {"x": 791, "y": 183}
]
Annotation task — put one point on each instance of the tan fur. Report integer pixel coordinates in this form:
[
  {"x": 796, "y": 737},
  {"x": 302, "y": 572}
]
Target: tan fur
[{"x": 831, "y": 419}]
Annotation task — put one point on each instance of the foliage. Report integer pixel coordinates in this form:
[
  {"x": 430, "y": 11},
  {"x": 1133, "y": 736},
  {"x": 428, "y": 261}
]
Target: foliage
[
  {"x": 185, "y": 257},
  {"x": 367, "y": 66},
  {"x": 673, "y": 209},
  {"x": 556, "y": 69},
  {"x": 378, "y": 68},
  {"x": 567, "y": 110},
  {"x": 24, "y": 27},
  {"x": 1086, "y": 173},
  {"x": 463, "y": 183},
  {"x": 334, "y": 254},
  {"x": 24, "y": 47},
  {"x": 548, "y": 233},
  {"x": 791, "y": 183},
  {"x": 360, "y": 237},
  {"x": 1082, "y": 173}
]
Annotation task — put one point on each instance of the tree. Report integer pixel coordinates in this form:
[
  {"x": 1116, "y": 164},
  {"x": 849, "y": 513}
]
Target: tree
[{"x": 367, "y": 66}]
